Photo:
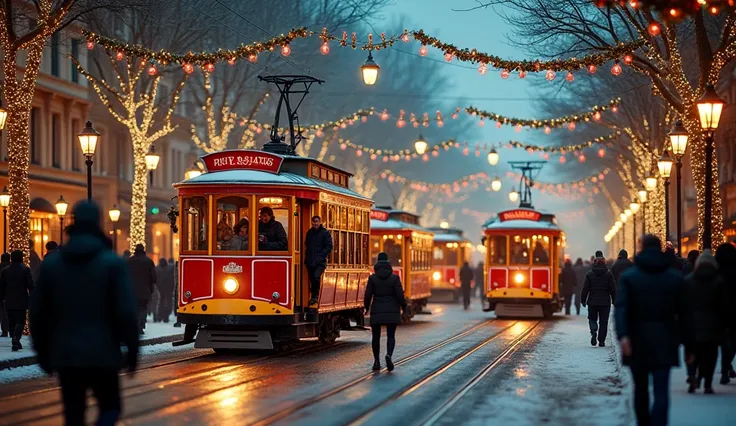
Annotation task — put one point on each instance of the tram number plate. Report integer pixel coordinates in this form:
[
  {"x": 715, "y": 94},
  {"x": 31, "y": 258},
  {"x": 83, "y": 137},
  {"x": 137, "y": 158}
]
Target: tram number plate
[{"x": 243, "y": 160}]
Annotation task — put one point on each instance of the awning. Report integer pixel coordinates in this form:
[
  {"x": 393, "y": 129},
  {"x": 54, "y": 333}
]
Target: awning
[{"x": 42, "y": 205}]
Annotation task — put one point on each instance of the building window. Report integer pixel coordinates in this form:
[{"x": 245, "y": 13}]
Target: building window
[
  {"x": 75, "y": 55},
  {"x": 55, "y": 141},
  {"x": 55, "y": 54},
  {"x": 35, "y": 142},
  {"x": 76, "y": 149}
]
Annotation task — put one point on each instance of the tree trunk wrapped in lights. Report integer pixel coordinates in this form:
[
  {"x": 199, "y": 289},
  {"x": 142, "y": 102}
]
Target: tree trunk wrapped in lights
[
  {"x": 218, "y": 127},
  {"x": 133, "y": 104}
]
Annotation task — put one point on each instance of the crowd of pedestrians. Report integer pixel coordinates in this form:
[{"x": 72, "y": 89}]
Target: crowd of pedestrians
[{"x": 662, "y": 302}]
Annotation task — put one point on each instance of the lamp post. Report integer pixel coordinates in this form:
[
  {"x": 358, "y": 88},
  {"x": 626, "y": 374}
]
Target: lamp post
[
  {"x": 710, "y": 107},
  {"x": 369, "y": 70},
  {"x": 634, "y": 208},
  {"x": 152, "y": 159},
  {"x": 678, "y": 143},
  {"x": 61, "y": 207},
  {"x": 114, "y": 217},
  {"x": 88, "y": 141},
  {"x": 420, "y": 145},
  {"x": 665, "y": 170},
  {"x": 643, "y": 198},
  {"x": 5, "y": 202}
]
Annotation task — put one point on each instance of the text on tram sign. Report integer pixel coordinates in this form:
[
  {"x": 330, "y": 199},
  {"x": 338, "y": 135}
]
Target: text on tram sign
[
  {"x": 379, "y": 215},
  {"x": 242, "y": 160},
  {"x": 520, "y": 215},
  {"x": 232, "y": 268}
]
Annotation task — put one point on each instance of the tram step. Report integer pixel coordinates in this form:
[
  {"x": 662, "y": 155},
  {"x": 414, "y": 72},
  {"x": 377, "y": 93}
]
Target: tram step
[
  {"x": 233, "y": 339},
  {"x": 519, "y": 310}
]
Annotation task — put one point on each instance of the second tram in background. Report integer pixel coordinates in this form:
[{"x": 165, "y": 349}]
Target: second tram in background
[
  {"x": 450, "y": 251},
  {"x": 409, "y": 249}
]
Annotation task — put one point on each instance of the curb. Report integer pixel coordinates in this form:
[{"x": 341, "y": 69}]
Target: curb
[
  {"x": 623, "y": 376},
  {"x": 31, "y": 360}
]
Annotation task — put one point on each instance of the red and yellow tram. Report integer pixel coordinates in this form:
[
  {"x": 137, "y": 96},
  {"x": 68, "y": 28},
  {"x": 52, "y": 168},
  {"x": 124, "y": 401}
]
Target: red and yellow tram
[
  {"x": 240, "y": 289},
  {"x": 524, "y": 248},
  {"x": 451, "y": 251},
  {"x": 409, "y": 249}
]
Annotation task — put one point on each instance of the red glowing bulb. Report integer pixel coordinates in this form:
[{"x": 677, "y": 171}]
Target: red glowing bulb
[
  {"x": 498, "y": 124},
  {"x": 628, "y": 59},
  {"x": 482, "y": 69},
  {"x": 601, "y": 152},
  {"x": 209, "y": 67},
  {"x": 569, "y": 77},
  {"x": 285, "y": 50},
  {"x": 547, "y": 130},
  {"x": 188, "y": 68},
  {"x": 405, "y": 38},
  {"x": 571, "y": 126},
  {"x": 616, "y": 69},
  {"x": 597, "y": 116},
  {"x": 423, "y": 51},
  {"x": 654, "y": 29},
  {"x": 231, "y": 61},
  {"x": 120, "y": 55},
  {"x": 90, "y": 44},
  {"x": 592, "y": 68},
  {"x": 504, "y": 74},
  {"x": 550, "y": 75},
  {"x": 325, "y": 48},
  {"x": 481, "y": 123},
  {"x": 522, "y": 74},
  {"x": 152, "y": 70},
  {"x": 614, "y": 108},
  {"x": 563, "y": 160},
  {"x": 581, "y": 158},
  {"x": 448, "y": 57},
  {"x": 253, "y": 58}
]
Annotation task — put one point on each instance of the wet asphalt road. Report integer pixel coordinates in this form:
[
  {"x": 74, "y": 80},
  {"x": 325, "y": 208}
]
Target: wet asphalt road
[{"x": 442, "y": 361}]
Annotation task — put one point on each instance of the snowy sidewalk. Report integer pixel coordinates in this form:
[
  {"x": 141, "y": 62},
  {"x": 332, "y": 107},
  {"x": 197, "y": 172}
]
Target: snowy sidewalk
[{"x": 155, "y": 333}]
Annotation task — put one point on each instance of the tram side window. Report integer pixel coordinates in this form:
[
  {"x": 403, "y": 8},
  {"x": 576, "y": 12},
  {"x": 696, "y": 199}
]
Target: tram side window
[
  {"x": 519, "y": 251},
  {"x": 497, "y": 249},
  {"x": 375, "y": 248},
  {"x": 233, "y": 223},
  {"x": 195, "y": 221},
  {"x": 273, "y": 224},
  {"x": 392, "y": 247},
  {"x": 439, "y": 256},
  {"x": 335, "y": 255},
  {"x": 540, "y": 254}
]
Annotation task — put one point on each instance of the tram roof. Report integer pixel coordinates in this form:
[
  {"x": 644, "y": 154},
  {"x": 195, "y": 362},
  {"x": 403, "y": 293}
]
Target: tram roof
[
  {"x": 387, "y": 218},
  {"x": 448, "y": 235},
  {"x": 522, "y": 219}
]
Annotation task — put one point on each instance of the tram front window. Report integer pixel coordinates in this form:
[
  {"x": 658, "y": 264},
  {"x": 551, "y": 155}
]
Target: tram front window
[
  {"x": 233, "y": 225},
  {"x": 451, "y": 254},
  {"x": 273, "y": 224},
  {"x": 497, "y": 250},
  {"x": 194, "y": 215},
  {"x": 392, "y": 247},
  {"x": 540, "y": 255},
  {"x": 519, "y": 250}
]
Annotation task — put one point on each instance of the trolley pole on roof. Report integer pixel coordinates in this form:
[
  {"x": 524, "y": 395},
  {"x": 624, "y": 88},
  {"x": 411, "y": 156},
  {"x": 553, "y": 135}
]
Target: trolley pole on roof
[
  {"x": 288, "y": 85},
  {"x": 529, "y": 171}
]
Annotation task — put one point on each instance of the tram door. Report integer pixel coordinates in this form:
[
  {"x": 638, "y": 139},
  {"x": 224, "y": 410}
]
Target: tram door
[{"x": 302, "y": 222}]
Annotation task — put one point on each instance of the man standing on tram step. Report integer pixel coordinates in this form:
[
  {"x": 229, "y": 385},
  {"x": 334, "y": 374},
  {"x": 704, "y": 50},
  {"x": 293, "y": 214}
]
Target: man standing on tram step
[
  {"x": 82, "y": 310},
  {"x": 599, "y": 290},
  {"x": 143, "y": 275},
  {"x": 318, "y": 246},
  {"x": 466, "y": 276},
  {"x": 271, "y": 233},
  {"x": 650, "y": 309}
]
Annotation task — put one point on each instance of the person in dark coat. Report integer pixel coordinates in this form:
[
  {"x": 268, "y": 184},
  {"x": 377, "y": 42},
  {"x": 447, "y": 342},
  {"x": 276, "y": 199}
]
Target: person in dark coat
[
  {"x": 580, "y": 271},
  {"x": 35, "y": 260},
  {"x": 650, "y": 300},
  {"x": 621, "y": 264},
  {"x": 82, "y": 310},
  {"x": 16, "y": 285},
  {"x": 143, "y": 274},
  {"x": 51, "y": 247},
  {"x": 689, "y": 265},
  {"x": 4, "y": 325},
  {"x": 568, "y": 281},
  {"x": 271, "y": 233},
  {"x": 479, "y": 281},
  {"x": 126, "y": 254},
  {"x": 726, "y": 258},
  {"x": 599, "y": 290},
  {"x": 165, "y": 285},
  {"x": 318, "y": 246},
  {"x": 384, "y": 297},
  {"x": 707, "y": 307},
  {"x": 466, "y": 277}
]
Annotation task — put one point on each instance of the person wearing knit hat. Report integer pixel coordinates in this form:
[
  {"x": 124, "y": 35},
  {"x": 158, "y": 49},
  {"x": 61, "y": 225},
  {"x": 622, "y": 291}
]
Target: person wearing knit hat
[
  {"x": 384, "y": 297},
  {"x": 599, "y": 291}
]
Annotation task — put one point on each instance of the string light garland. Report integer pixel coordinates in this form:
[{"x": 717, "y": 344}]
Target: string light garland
[
  {"x": 593, "y": 114},
  {"x": 674, "y": 10},
  {"x": 216, "y": 138}
]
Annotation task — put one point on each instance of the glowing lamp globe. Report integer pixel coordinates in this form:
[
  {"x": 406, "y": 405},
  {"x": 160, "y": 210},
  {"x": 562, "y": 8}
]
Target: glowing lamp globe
[
  {"x": 628, "y": 213},
  {"x": 496, "y": 184},
  {"x": 5, "y": 197},
  {"x": 420, "y": 145},
  {"x": 369, "y": 70},
  {"x": 710, "y": 107},
  {"x": 444, "y": 225},
  {"x": 651, "y": 183},
  {"x": 678, "y": 139},
  {"x": 618, "y": 224},
  {"x": 152, "y": 159},
  {"x": 513, "y": 196},
  {"x": 192, "y": 173},
  {"x": 61, "y": 206},
  {"x": 634, "y": 207},
  {"x": 88, "y": 139},
  {"x": 623, "y": 218},
  {"x": 607, "y": 238},
  {"x": 3, "y": 117},
  {"x": 643, "y": 195},
  {"x": 114, "y": 213},
  {"x": 665, "y": 165},
  {"x": 493, "y": 157}
]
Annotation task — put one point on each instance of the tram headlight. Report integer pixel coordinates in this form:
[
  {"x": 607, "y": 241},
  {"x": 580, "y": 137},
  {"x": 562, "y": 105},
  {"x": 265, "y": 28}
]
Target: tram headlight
[
  {"x": 519, "y": 278},
  {"x": 436, "y": 275},
  {"x": 230, "y": 285}
]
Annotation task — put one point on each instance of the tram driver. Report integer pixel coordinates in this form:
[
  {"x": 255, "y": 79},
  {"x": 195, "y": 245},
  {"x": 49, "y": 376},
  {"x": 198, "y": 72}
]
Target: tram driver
[{"x": 271, "y": 233}]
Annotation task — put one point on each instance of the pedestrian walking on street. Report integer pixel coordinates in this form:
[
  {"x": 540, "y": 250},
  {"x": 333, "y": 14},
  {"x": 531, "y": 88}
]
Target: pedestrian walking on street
[
  {"x": 621, "y": 264},
  {"x": 689, "y": 265},
  {"x": 384, "y": 297},
  {"x": 599, "y": 291},
  {"x": 726, "y": 258},
  {"x": 16, "y": 285},
  {"x": 318, "y": 246},
  {"x": 82, "y": 310},
  {"x": 143, "y": 275},
  {"x": 706, "y": 320},
  {"x": 35, "y": 260},
  {"x": 580, "y": 271},
  {"x": 51, "y": 247},
  {"x": 650, "y": 300},
  {"x": 466, "y": 277},
  {"x": 165, "y": 286},
  {"x": 126, "y": 254},
  {"x": 568, "y": 281},
  {"x": 4, "y": 326},
  {"x": 480, "y": 282}
]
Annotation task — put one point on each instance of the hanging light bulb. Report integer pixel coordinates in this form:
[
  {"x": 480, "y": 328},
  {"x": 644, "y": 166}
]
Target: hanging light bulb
[
  {"x": 253, "y": 58},
  {"x": 601, "y": 152},
  {"x": 188, "y": 68},
  {"x": 423, "y": 51},
  {"x": 90, "y": 44},
  {"x": 616, "y": 69},
  {"x": 547, "y": 130},
  {"x": 569, "y": 77},
  {"x": 654, "y": 29},
  {"x": 493, "y": 157},
  {"x": 496, "y": 184},
  {"x": 482, "y": 69},
  {"x": 119, "y": 56},
  {"x": 550, "y": 75},
  {"x": 325, "y": 48},
  {"x": 286, "y": 50},
  {"x": 369, "y": 70},
  {"x": 209, "y": 67},
  {"x": 597, "y": 116},
  {"x": 152, "y": 70},
  {"x": 448, "y": 57},
  {"x": 628, "y": 59},
  {"x": 504, "y": 74},
  {"x": 420, "y": 145},
  {"x": 522, "y": 74},
  {"x": 405, "y": 38},
  {"x": 592, "y": 68},
  {"x": 513, "y": 196}
]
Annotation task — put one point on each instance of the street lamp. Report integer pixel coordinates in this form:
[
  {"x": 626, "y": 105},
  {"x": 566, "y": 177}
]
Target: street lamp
[
  {"x": 5, "y": 202},
  {"x": 88, "y": 141},
  {"x": 114, "y": 218},
  {"x": 192, "y": 173},
  {"x": 493, "y": 157},
  {"x": 496, "y": 184},
  {"x": 678, "y": 142},
  {"x": 664, "y": 164},
  {"x": 513, "y": 195},
  {"x": 650, "y": 183},
  {"x": 3, "y": 116},
  {"x": 152, "y": 159},
  {"x": 710, "y": 107},
  {"x": 370, "y": 70},
  {"x": 61, "y": 207},
  {"x": 420, "y": 145}
]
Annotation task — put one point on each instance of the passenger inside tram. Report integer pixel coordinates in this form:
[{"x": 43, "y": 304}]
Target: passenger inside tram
[
  {"x": 498, "y": 250},
  {"x": 540, "y": 255},
  {"x": 271, "y": 233},
  {"x": 520, "y": 253},
  {"x": 233, "y": 211},
  {"x": 224, "y": 231},
  {"x": 239, "y": 241}
]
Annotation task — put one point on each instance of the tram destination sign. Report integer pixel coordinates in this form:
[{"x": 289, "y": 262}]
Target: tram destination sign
[
  {"x": 241, "y": 159},
  {"x": 520, "y": 215},
  {"x": 379, "y": 215}
]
